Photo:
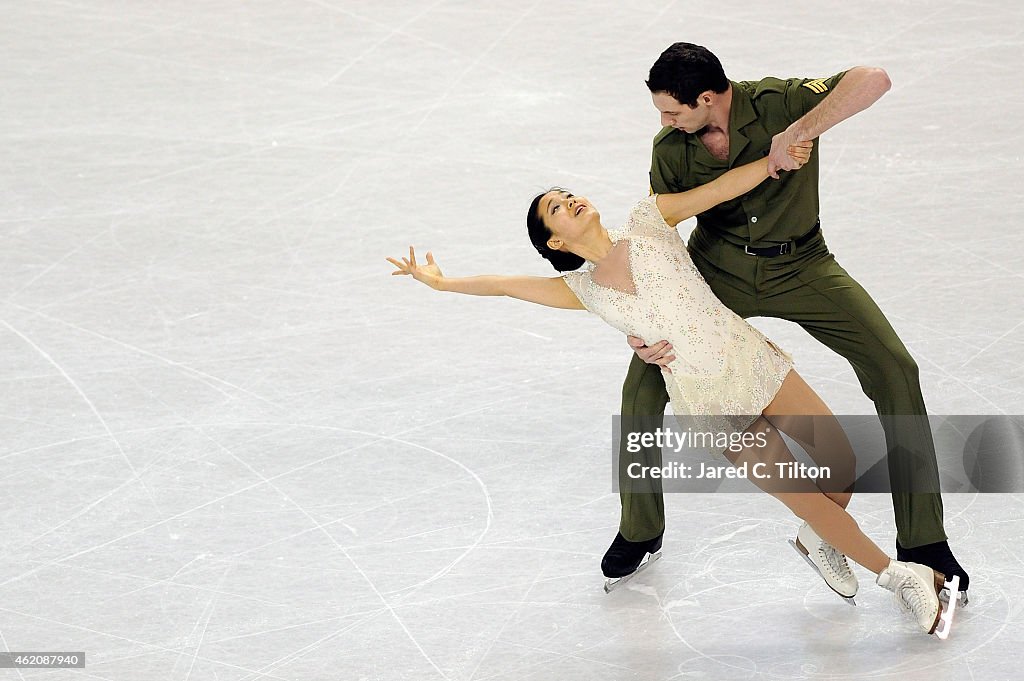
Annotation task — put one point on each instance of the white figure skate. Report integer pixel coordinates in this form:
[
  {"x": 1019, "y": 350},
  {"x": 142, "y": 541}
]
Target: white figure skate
[
  {"x": 917, "y": 589},
  {"x": 827, "y": 561}
]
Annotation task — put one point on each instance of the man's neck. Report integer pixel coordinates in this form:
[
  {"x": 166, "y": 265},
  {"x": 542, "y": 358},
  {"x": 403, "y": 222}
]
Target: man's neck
[{"x": 719, "y": 122}]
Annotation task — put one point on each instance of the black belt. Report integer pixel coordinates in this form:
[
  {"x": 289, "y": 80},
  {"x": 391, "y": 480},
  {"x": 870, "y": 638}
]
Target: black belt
[{"x": 783, "y": 249}]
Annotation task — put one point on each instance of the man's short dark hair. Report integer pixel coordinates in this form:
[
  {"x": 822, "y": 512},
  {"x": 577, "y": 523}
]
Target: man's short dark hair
[{"x": 686, "y": 70}]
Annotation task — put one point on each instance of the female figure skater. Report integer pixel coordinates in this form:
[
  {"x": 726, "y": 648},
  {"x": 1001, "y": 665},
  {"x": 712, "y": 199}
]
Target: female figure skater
[{"x": 640, "y": 279}]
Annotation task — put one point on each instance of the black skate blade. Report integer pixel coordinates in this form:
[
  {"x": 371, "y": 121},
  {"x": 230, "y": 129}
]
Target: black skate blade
[
  {"x": 849, "y": 599},
  {"x": 614, "y": 583},
  {"x": 946, "y": 619}
]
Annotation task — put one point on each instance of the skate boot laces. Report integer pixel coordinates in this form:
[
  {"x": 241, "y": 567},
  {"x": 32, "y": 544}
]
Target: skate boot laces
[
  {"x": 910, "y": 594},
  {"x": 835, "y": 561}
]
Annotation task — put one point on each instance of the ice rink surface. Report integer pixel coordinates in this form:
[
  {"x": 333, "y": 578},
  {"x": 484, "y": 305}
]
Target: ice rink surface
[{"x": 234, "y": 448}]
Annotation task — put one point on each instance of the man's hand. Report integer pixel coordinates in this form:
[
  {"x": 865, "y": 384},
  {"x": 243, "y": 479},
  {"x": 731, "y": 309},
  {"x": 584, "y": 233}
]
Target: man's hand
[
  {"x": 780, "y": 157},
  {"x": 660, "y": 353}
]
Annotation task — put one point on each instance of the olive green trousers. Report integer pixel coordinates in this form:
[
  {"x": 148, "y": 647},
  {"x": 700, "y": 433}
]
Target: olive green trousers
[{"x": 808, "y": 287}]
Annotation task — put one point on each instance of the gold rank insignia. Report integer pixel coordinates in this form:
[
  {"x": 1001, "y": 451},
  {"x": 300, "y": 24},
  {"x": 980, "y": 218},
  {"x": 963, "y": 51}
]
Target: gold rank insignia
[{"x": 817, "y": 86}]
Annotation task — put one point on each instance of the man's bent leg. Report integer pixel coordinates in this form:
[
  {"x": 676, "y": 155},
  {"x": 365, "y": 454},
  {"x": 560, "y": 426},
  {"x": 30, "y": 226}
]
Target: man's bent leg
[{"x": 830, "y": 305}]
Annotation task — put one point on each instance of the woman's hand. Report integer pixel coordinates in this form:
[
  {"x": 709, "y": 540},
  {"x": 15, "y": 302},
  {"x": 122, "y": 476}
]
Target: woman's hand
[
  {"x": 800, "y": 152},
  {"x": 430, "y": 274}
]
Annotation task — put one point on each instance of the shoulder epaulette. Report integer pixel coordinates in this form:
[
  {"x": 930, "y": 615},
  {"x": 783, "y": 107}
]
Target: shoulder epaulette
[{"x": 766, "y": 85}]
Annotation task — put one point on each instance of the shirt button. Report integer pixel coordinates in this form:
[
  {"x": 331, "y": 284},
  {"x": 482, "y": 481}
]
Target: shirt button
[{"x": 753, "y": 219}]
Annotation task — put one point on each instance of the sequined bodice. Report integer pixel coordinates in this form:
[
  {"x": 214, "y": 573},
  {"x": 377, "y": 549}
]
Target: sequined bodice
[
  {"x": 722, "y": 365},
  {"x": 671, "y": 298}
]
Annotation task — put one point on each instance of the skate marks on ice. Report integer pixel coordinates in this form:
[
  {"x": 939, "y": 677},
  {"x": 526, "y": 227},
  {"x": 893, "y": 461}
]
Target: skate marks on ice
[
  {"x": 810, "y": 635},
  {"x": 255, "y": 523},
  {"x": 226, "y": 286}
]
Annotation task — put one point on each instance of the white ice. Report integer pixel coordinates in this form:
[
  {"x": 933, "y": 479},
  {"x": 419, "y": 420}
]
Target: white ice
[{"x": 235, "y": 448}]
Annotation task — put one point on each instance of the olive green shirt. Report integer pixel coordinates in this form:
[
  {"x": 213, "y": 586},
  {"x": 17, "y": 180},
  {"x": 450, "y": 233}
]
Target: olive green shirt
[{"x": 776, "y": 210}]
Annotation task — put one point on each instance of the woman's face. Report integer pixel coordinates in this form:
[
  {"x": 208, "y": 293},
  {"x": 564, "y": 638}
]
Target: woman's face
[{"x": 567, "y": 216}]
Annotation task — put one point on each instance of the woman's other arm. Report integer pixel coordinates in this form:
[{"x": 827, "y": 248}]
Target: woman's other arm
[
  {"x": 550, "y": 291},
  {"x": 678, "y": 207}
]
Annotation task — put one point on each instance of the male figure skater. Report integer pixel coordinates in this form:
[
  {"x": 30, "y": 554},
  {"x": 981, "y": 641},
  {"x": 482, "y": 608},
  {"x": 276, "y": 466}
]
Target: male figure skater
[{"x": 763, "y": 255}]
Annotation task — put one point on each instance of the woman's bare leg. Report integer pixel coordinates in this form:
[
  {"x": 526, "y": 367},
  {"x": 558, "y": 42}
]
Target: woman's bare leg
[
  {"x": 801, "y": 414},
  {"x": 827, "y": 517}
]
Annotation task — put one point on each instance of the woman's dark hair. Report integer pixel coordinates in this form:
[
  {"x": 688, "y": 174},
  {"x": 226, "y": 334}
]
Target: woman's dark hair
[
  {"x": 540, "y": 233},
  {"x": 685, "y": 70}
]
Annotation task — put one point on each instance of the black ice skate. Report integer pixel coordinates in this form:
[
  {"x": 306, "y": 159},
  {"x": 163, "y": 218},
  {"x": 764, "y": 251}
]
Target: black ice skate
[
  {"x": 625, "y": 559},
  {"x": 938, "y": 557}
]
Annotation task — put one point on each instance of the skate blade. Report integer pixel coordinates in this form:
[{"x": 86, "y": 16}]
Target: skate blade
[
  {"x": 961, "y": 599},
  {"x": 946, "y": 619},
  {"x": 850, "y": 600},
  {"x": 614, "y": 583}
]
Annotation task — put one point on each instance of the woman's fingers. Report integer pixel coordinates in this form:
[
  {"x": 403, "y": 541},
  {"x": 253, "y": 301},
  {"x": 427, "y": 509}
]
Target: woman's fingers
[
  {"x": 408, "y": 265},
  {"x": 800, "y": 152},
  {"x": 402, "y": 268}
]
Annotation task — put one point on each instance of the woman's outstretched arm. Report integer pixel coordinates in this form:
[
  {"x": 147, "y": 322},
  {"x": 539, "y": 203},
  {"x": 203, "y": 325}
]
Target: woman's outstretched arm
[
  {"x": 550, "y": 291},
  {"x": 678, "y": 207}
]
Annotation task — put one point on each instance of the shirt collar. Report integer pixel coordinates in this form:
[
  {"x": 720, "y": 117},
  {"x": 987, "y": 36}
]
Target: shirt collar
[
  {"x": 741, "y": 114},
  {"x": 742, "y": 111}
]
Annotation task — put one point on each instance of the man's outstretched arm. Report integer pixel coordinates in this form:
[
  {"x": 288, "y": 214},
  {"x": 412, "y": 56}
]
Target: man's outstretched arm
[{"x": 859, "y": 88}]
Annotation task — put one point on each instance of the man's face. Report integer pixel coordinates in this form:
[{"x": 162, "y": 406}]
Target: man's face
[{"x": 680, "y": 116}]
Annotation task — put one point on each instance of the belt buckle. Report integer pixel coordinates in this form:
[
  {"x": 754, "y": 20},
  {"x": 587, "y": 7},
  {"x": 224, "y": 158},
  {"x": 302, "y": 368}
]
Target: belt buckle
[{"x": 783, "y": 249}]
